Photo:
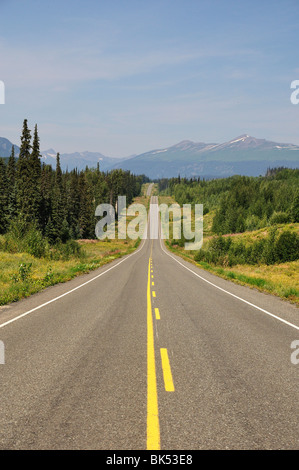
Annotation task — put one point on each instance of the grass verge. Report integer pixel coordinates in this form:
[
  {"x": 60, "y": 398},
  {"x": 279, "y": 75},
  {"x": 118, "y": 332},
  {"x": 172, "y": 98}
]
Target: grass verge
[
  {"x": 22, "y": 274},
  {"x": 280, "y": 279}
]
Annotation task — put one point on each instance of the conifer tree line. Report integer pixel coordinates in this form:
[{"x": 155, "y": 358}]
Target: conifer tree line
[
  {"x": 61, "y": 205},
  {"x": 241, "y": 203}
]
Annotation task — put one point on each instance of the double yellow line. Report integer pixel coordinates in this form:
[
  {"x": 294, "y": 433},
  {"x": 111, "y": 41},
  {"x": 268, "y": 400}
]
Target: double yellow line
[{"x": 153, "y": 427}]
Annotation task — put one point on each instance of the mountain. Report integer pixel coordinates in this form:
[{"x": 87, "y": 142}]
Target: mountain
[
  {"x": 68, "y": 161},
  {"x": 79, "y": 160},
  {"x": 5, "y": 148},
  {"x": 244, "y": 155}
]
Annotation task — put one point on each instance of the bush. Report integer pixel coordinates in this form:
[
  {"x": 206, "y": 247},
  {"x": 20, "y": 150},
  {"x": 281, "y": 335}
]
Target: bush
[
  {"x": 27, "y": 238},
  {"x": 279, "y": 218},
  {"x": 252, "y": 222},
  {"x": 66, "y": 250},
  {"x": 227, "y": 252},
  {"x": 220, "y": 244},
  {"x": 23, "y": 274},
  {"x": 24, "y": 238},
  {"x": 269, "y": 252},
  {"x": 255, "y": 252},
  {"x": 287, "y": 246},
  {"x": 35, "y": 244}
]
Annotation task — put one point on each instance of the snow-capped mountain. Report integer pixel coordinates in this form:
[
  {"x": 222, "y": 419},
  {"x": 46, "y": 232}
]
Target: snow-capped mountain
[
  {"x": 244, "y": 154},
  {"x": 79, "y": 160}
]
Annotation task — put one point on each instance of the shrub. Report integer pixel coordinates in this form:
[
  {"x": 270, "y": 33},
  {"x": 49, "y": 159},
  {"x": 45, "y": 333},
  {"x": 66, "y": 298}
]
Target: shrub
[
  {"x": 252, "y": 222},
  {"x": 23, "y": 274},
  {"x": 66, "y": 250},
  {"x": 269, "y": 252},
  {"x": 287, "y": 246},
  {"x": 255, "y": 252},
  {"x": 279, "y": 218},
  {"x": 34, "y": 243},
  {"x": 24, "y": 238},
  {"x": 227, "y": 252}
]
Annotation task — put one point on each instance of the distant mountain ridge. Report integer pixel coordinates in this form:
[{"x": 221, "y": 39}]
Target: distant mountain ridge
[
  {"x": 6, "y": 146},
  {"x": 244, "y": 155},
  {"x": 79, "y": 160}
]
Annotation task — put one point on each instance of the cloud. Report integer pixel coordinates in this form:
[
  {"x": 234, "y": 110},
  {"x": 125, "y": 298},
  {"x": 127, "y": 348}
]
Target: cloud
[{"x": 58, "y": 64}]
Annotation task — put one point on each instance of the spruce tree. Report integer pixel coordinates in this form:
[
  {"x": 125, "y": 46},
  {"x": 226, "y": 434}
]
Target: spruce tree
[
  {"x": 86, "y": 214},
  {"x": 11, "y": 168},
  {"x": 47, "y": 182},
  {"x": 58, "y": 208},
  {"x": 294, "y": 210},
  {"x": 73, "y": 203},
  {"x": 3, "y": 197},
  {"x": 24, "y": 175},
  {"x": 35, "y": 179},
  {"x": 11, "y": 185}
]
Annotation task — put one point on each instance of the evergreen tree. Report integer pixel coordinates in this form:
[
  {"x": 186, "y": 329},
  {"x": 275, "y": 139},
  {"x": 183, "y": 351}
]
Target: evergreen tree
[
  {"x": 11, "y": 168},
  {"x": 58, "y": 207},
  {"x": 73, "y": 204},
  {"x": 58, "y": 173},
  {"x": 46, "y": 189},
  {"x": 11, "y": 185},
  {"x": 86, "y": 214},
  {"x": 35, "y": 179},
  {"x": 24, "y": 175},
  {"x": 3, "y": 197},
  {"x": 294, "y": 210}
]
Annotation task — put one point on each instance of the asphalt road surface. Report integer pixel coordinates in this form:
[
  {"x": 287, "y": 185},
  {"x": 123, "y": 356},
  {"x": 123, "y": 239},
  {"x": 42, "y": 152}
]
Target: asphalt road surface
[{"x": 149, "y": 352}]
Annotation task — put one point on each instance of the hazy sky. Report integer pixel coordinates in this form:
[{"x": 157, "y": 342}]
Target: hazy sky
[{"x": 125, "y": 76}]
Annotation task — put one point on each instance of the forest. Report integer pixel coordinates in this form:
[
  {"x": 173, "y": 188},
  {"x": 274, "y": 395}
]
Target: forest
[
  {"x": 242, "y": 204},
  {"x": 41, "y": 207}
]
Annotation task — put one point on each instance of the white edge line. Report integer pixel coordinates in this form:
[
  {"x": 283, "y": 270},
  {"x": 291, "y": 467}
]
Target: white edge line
[
  {"x": 230, "y": 293},
  {"x": 72, "y": 290}
]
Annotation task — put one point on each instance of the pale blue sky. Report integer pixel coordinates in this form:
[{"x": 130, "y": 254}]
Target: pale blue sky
[{"x": 126, "y": 76}]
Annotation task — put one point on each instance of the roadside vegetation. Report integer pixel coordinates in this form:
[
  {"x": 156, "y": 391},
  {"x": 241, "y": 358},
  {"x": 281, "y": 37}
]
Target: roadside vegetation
[
  {"x": 22, "y": 274},
  {"x": 263, "y": 250},
  {"x": 47, "y": 220}
]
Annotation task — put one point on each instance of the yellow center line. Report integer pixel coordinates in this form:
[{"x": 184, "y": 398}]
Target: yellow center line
[
  {"x": 154, "y": 293},
  {"x": 153, "y": 427},
  {"x": 168, "y": 382},
  {"x": 153, "y": 283},
  {"x": 157, "y": 313}
]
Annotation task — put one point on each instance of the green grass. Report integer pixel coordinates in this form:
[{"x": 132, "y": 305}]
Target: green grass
[
  {"x": 22, "y": 274},
  {"x": 281, "y": 279},
  {"x": 278, "y": 279},
  {"x": 43, "y": 273}
]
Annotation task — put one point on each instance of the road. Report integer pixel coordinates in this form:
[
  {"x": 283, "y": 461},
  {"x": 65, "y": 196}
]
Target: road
[{"x": 149, "y": 352}]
